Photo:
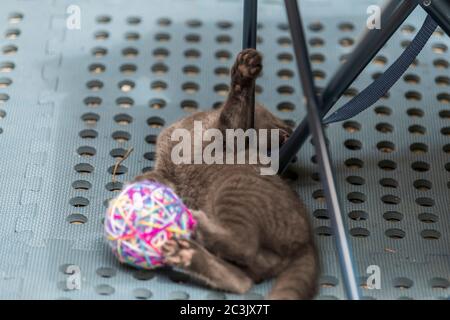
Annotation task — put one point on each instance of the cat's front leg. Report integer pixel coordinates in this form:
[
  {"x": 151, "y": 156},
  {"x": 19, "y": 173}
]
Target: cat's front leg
[{"x": 197, "y": 261}]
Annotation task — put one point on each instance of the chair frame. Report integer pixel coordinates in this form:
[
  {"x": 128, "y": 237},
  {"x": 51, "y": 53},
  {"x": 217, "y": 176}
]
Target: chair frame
[{"x": 393, "y": 15}]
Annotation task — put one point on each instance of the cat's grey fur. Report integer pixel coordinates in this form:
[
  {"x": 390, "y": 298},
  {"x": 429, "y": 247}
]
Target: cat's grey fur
[{"x": 250, "y": 227}]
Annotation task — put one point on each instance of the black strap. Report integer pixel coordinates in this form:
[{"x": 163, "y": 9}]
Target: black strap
[{"x": 383, "y": 83}]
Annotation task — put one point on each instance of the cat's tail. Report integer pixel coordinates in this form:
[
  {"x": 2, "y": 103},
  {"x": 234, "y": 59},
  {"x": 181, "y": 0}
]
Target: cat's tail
[{"x": 300, "y": 278}]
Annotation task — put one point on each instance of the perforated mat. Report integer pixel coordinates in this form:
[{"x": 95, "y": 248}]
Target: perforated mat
[{"x": 72, "y": 101}]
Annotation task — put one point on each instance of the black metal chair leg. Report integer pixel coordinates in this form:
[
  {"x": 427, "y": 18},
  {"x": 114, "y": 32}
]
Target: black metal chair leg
[
  {"x": 326, "y": 171},
  {"x": 249, "y": 41}
]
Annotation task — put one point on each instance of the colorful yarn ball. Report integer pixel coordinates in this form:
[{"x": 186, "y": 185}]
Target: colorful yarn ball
[{"x": 141, "y": 219}]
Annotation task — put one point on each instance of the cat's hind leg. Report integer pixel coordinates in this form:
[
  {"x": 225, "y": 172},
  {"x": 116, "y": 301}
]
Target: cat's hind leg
[
  {"x": 235, "y": 241},
  {"x": 267, "y": 264},
  {"x": 237, "y": 108},
  {"x": 239, "y": 245},
  {"x": 298, "y": 281},
  {"x": 197, "y": 261}
]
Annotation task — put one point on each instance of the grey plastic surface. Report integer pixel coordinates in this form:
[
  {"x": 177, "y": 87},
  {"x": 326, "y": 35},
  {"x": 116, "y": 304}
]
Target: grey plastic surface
[{"x": 51, "y": 214}]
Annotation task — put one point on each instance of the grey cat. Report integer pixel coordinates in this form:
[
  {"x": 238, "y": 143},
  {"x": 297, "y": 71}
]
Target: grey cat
[{"x": 250, "y": 227}]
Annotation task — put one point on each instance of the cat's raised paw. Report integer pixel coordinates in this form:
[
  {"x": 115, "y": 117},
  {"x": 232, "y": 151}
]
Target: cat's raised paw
[{"x": 248, "y": 65}]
